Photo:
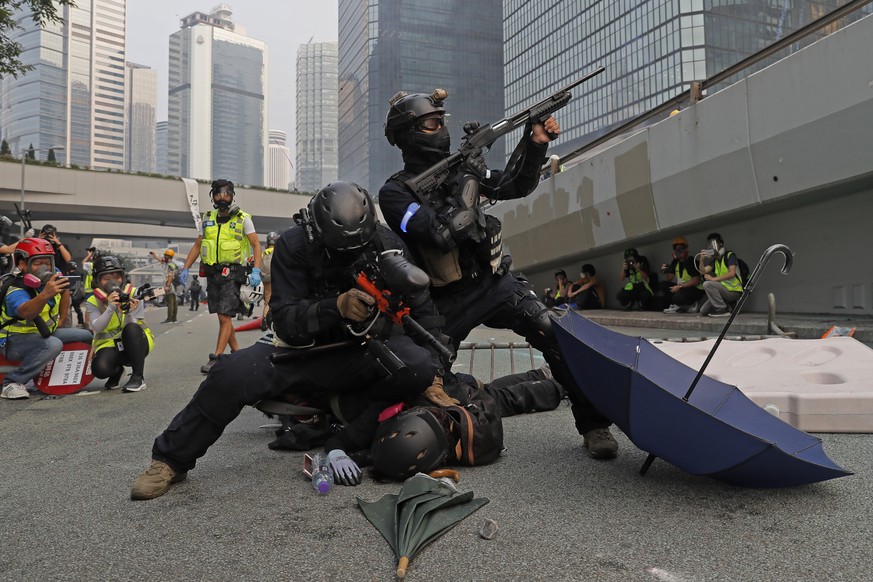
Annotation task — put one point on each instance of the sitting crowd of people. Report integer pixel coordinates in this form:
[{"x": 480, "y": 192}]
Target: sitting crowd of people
[{"x": 709, "y": 282}]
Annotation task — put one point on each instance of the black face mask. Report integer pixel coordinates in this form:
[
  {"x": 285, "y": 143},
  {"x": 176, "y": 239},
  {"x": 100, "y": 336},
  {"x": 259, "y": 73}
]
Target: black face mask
[
  {"x": 222, "y": 204},
  {"x": 422, "y": 150}
]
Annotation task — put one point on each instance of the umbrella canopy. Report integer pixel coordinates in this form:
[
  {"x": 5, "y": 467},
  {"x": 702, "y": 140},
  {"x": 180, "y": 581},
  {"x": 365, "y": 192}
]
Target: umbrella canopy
[
  {"x": 424, "y": 509},
  {"x": 717, "y": 431}
]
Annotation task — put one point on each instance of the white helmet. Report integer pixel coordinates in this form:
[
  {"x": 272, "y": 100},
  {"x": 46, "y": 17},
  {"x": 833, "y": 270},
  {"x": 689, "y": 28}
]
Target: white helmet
[{"x": 249, "y": 294}]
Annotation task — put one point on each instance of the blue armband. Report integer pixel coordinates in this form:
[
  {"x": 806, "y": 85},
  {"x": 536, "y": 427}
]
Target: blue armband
[{"x": 410, "y": 212}]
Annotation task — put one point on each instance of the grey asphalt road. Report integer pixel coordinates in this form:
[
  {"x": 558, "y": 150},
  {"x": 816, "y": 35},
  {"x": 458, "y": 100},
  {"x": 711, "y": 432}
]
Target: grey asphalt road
[{"x": 247, "y": 513}]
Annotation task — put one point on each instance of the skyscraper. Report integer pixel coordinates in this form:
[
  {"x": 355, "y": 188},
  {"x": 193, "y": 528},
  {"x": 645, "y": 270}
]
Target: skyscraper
[
  {"x": 161, "y": 148},
  {"x": 217, "y": 107},
  {"x": 142, "y": 100},
  {"x": 316, "y": 143},
  {"x": 280, "y": 161},
  {"x": 652, "y": 51},
  {"x": 415, "y": 46},
  {"x": 74, "y": 96}
]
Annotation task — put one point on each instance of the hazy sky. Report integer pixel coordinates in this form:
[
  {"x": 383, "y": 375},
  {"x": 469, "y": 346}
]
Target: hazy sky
[{"x": 283, "y": 24}]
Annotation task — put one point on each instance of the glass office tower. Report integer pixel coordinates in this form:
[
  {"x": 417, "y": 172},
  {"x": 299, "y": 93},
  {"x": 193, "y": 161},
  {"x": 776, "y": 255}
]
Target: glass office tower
[
  {"x": 75, "y": 95},
  {"x": 217, "y": 106},
  {"x": 652, "y": 51},
  {"x": 142, "y": 102},
  {"x": 416, "y": 46},
  {"x": 316, "y": 139}
]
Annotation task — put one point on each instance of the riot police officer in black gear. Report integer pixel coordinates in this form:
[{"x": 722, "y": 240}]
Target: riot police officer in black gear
[
  {"x": 460, "y": 247},
  {"x": 316, "y": 306}
]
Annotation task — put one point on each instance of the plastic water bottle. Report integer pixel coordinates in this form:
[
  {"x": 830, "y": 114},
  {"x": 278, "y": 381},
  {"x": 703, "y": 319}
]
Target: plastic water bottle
[{"x": 322, "y": 474}]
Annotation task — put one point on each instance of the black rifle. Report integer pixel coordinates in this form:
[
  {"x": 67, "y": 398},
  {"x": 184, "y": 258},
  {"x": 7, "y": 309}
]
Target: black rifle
[{"x": 479, "y": 138}]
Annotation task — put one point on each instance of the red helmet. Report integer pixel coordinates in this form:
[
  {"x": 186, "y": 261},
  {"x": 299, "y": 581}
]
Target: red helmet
[{"x": 34, "y": 247}]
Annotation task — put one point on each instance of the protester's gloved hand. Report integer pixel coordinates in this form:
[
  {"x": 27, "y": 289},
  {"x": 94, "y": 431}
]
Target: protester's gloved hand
[
  {"x": 255, "y": 277},
  {"x": 345, "y": 470},
  {"x": 30, "y": 233},
  {"x": 354, "y": 304},
  {"x": 183, "y": 276},
  {"x": 438, "y": 396}
]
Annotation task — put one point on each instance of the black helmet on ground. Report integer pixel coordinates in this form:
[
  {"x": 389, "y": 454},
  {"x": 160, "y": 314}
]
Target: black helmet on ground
[
  {"x": 412, "y": 442},
  {"x": 344, "y": 216}
]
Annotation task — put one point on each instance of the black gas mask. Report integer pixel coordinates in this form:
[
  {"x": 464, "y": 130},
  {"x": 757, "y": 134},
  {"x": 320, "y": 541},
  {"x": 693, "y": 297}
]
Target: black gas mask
[{"x": 222, "y": 187}]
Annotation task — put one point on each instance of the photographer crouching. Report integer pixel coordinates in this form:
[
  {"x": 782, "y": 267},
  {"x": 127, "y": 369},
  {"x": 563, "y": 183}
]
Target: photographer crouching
[{"x": 121, "y": 336}]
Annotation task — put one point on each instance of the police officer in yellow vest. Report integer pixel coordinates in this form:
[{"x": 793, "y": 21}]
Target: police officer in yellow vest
[
  {"x": 121, "y": 336},
  {"x": 35, "y": 302},
  {"x": 723, "y": 283},
  {"x": 226, "y": 240}
]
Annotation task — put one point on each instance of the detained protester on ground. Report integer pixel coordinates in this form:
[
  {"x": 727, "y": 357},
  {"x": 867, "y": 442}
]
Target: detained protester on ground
[
  {"x": 35, "y": 302},
  {"x": 121, "y": 336},
  {"x": 460, "y": 247},
  {"x": 466, "y": 430},
  {"x": 336, "y": 339}
]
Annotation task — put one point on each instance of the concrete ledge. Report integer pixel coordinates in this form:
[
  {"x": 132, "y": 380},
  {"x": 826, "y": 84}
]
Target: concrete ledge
[{"x": 745, "y": 324}]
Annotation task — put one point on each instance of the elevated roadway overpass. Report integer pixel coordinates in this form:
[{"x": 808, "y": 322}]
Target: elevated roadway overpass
[{"x": 87, "y": 204}]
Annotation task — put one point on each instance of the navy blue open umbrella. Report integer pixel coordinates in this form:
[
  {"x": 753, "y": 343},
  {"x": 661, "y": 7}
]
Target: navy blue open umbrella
[
  {"x": 701, "y": 425},
  {"x": 715, "y": 430}
]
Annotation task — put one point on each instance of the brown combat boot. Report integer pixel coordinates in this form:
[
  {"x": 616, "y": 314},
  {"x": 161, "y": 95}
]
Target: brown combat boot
[
  {"x": 155, "y": 481},
  {"x": 600, "y": 444}
]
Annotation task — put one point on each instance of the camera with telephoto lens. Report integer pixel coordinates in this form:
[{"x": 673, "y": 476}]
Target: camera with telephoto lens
[
  {"x": 147, "y": 292},
  {"x": 631, "y": 265}
]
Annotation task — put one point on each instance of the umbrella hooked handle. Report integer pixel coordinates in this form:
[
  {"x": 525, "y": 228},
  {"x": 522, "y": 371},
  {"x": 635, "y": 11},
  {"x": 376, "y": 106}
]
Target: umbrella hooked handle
[
  {"x": 402, "y": 565},
  {"x": 747, "y": 290}
]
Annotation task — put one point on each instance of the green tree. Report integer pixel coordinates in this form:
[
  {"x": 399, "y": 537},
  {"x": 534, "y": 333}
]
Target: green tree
[
  {"x": 31, "y": 153},
  {"x": 42, "y": 12},
  {"x": 4, "y": 149},
  {"x": 51, "y": 156}
]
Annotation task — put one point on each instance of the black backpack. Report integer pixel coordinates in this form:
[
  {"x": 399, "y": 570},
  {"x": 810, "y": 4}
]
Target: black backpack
[{"x": 742, "y": 267}]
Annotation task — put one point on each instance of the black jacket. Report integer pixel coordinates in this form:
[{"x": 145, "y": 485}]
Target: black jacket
[
  {"x": 396, "y": 200},
  {"x": 306, "y": 283}
]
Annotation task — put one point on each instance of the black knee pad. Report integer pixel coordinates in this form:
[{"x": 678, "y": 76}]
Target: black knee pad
[{"x": 534, "y": 321}]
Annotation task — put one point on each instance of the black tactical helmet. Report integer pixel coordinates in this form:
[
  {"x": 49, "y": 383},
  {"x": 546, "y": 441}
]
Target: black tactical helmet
[
  {"x": 272, "y": 237},
  {"x": 412, "y": 442},
  {"x": 344, "y": 216},
  {"x": 406, "y": 108}
]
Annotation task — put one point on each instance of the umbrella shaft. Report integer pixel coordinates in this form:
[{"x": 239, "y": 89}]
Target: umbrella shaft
[{"x": 645, "y": 468}]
